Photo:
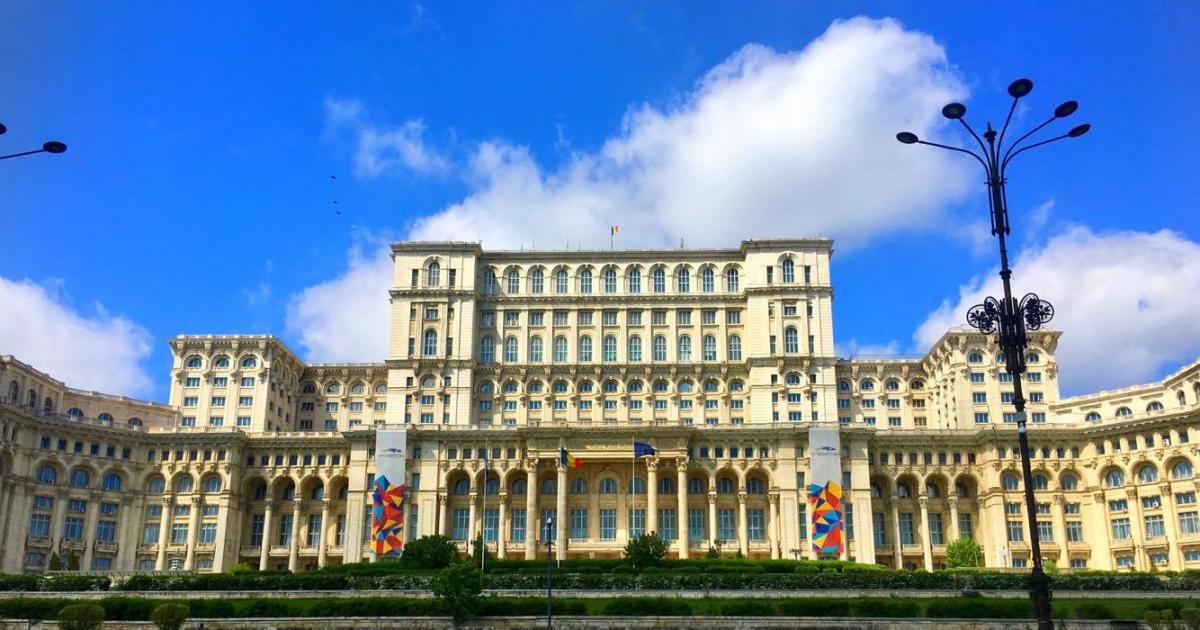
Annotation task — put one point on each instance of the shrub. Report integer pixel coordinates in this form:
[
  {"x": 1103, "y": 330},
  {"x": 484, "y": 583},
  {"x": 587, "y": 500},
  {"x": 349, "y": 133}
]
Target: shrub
[
  {"x": 170, "y": 616},
  {"x": 459, "y": 586},
  {"x": 1190, "y": 617},
  {"x": 814, "y": 608},
  {"x": 647, "y": 606},
  {"x": 1092, "y": 610},
  {"x": 963, "y": 552},
  {"x": 81, "y": 617},
  {"x": 429, "y": 552},
  {"x": 747, "y": 608},
  {"x": 897, "y": 608},
  {"x": 646, "y": 550},
  {"x": 979, "y": 608}
]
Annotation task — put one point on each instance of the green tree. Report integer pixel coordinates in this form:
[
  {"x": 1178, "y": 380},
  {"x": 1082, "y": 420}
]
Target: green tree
[
  {"x": 646, "y": 550},
  {"x": 963, "y": 552},
  {"x": 1050, "y": 567},
  {"x": 55, "y": 562},
  {"x": 81, "y": 617},
  {"x": 429, "y": 552},
  {"x": 459, "y": 586},
  {"x": 170, "y": 616}
]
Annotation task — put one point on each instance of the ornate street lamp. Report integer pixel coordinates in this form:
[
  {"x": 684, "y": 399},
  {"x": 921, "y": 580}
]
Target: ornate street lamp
[
  {"x": 1012, "y": 318},
  {"x": 549, "y": 569},
  {"x": 53, "y": 146}
]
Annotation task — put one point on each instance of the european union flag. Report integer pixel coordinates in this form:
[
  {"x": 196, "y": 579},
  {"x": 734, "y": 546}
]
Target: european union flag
[{"x": 642, "y": 449}]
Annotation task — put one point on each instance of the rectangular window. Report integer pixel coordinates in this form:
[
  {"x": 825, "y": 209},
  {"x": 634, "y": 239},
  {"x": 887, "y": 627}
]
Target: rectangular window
[
  {"x": 1120, "y": 528},
  {"x": 208, "y": 533},
  {"x": 256, "y": 530},
  {"x": 936, "y": 536},
  {"x": 579, "y": 523},
  {"x": 608, "y": 524},
  {"x": 550, "y": 516},
  {"x": 879, "y": 530},
  {"x": 755, "y": 524},
  {"x": 666, "y": 524},
  {"x": 726, "y": 528},
  {"x": 491, "y": 524},
  {"x": 803, "y": 518},
  {"x": 1074, "y": 531},
  {"x": 179, "y": 534},
  {"x": 461, "y": 524},
  {"x": 1154, "y": 526},
  {"x": 518, "y": 525},
  {"x": 285, "y": 530},
  {"x": 637, "y": 522},
  {"x": 39, "y": 526},
  {"x": 906, "y": 528},
  {"x": 1016, "y": 531},
  {"x": 696, "y": 524},
  {"x": 964, "y": 526}
]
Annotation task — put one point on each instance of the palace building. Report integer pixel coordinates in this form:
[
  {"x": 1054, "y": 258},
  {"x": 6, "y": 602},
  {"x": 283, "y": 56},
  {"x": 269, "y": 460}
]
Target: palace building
[{"x": 722, "y": 360}]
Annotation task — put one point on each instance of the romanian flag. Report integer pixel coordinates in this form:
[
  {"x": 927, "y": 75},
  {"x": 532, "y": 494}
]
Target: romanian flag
[
  {"x": 568, "y": 460},
  {"x": 615, "y": 229}
]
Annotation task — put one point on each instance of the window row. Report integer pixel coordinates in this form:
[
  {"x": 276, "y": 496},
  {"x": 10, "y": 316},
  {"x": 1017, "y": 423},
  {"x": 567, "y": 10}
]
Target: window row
[
  {"x": 536, "y": 352},
  {"x": 585, "y": 281}
]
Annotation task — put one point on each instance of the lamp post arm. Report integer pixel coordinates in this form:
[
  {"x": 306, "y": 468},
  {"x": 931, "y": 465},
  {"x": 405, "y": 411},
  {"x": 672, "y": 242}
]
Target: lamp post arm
[
  {"x": 977, "y": 139},
  {"x": 1004, "y": 165},
  {"x": 1004, "y": 129},
  {"x": 950, "y": 148},
  {"x": 13, "y": 155},
  {"x": 1009, "y": 153}
]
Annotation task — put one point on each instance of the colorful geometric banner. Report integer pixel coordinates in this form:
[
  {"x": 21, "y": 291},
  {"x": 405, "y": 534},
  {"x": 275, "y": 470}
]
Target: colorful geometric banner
[
  {"x": 825, "y": 491},
  {"x": 387, "y": 497}
]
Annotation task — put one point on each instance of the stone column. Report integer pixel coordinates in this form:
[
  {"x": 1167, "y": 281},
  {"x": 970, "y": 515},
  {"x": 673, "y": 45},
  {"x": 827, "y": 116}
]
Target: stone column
[
  {"x": 294, "y": 548},
  {"x": 1135, "y": 526},
  {"x": 164, "y": 533},
  {"x": 681, "y": 520},
  {"x": 502, "y": 526},
  {"x": 926, "y": 544},
  {"x": 189, "y": 560},
  {"x": 323, "y": 542},
  {"x": 1060, "y": 530},
  {"x": 955, "y": 534},
  {"x": 228, "y": 533},
  {"x": 560, "y": 524},
  {"x": 712, "y": 518},
  {"x": 652, "y": 495},
  {"x": 58, "y": 516},
  {"x": 743, "y": 535},
  {"x": 132, "y": 508},
  {"x": 1171, "y": 527},
  {"x": 473, "y": 513},
  {"x": 897, "y": 547},
  {"x": 775, "y": 542},
  {"x": 265, "y": 552},
  {"x": 532, "y": 527},
  {"x": 89, "y": 531},
  {"x": 443, "y": 518}
]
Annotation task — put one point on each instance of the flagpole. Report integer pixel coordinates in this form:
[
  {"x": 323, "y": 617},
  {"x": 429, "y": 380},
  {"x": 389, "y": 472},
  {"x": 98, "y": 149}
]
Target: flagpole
[
  {"x": 633, "y": 487},
  {"x": 483, "y": 535}
]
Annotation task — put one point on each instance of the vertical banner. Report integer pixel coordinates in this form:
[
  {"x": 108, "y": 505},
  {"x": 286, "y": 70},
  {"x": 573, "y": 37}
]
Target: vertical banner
[
  {"x": 387, "y": 497},
  {"x": 825, "y": 491}
]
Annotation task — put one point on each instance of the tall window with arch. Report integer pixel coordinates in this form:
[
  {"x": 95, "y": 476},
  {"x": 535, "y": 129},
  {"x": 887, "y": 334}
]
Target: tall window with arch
[
  {"x": 660, "y": 280},
  {"x": 610, "y": 349},
  {"x": 434, "y": 274},
  {"x": 683, "y": 282},
  {"x": 429, "y": 347},
  {"x": 585, "y": 349},
  {"x": 510, "y": 350},
  {"x": 489, "y": 282},
  {"x": 684, "y": 349},
  {"x": 731, "y": 280},
  {"x": 610, "y": 280},
  {"x": 513, "y": 281},
  {"x": 535, "y": 349},
  {"x": 706, "y": 280},
  {"x": 487, "y": 350},
  {"x": 789, "y": 270},
  {"x": 561, "y": 281},
  {"x": 635, "y": 280},
  {"x": 585, "y": 281},
  {"x": 537, "y": 281},
  {"x": 735, "y": 348},
  {"x": 560, "y": 349},
  {"x": 791, "y": 340},
  {"x": 660, "y": 348},
  {"x": 710, "y": 348},
  {"x": 635, "y": 348}
]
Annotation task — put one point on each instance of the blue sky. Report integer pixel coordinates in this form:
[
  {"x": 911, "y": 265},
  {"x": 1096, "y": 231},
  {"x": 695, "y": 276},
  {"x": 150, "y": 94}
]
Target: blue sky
[{"x": 196, "y": 195}]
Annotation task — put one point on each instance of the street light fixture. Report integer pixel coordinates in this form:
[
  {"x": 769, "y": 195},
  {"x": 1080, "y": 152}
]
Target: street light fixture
[
  {"x": 1010, "y": 317},
  {"x": 549, "y": 569},
  {"x": 53, "y": 146}
]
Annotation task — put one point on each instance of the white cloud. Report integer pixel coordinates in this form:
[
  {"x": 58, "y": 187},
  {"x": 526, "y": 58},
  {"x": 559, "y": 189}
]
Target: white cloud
[
  {"x": 99, "y": 351},
  {"x": 853, "y": 348},
  {"x": 346, "y": 318},
  {"x": 381, "y": 149},
  {"x": 767, "y": 143},
  {"x": 1126, "y": 301}
]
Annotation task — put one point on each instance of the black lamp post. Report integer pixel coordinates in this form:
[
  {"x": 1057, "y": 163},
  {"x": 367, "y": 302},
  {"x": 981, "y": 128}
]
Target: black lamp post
[
  {"x": 549, "y": 569},
  {"x": 53, "y": 146},
  {"x": 1010, "y": 317}
]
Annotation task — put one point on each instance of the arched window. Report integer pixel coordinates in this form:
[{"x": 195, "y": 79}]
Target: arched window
[
  {"x": 1093, "y": 416},
  {"x": 513, "y": 281},
  {"x": 711, "y": 386},
  {"x": 585, "y": 349},
  {"x": 212, "y": 485},
  {"x": 725, "y": 486},
  {"x": 510, "y": 387},
  {"x": 610, "y": 348},
  {"x": 932, "y": 490},
  {"x": 1114, "y": 479},
  {"x": 666, "y": 485},
  {"x": 48, "y": 406},
  {"x": 791, "y": 340},
  {"x": 585, "y": 281},
  {"x": 520, "y": 486},
  {"x": 754, "y": 485},
  {"x": 731, "y": 280},
  {"x": 683, "y": 281},
  {"x": 1154, "y": 406},
  {"x": 1011, "y": 482},
  {"x": 635, "y": 280},
  {"x": 185, "y": 484},
  {"x": 510, "y": 350},
  {"x": 105, "y": 417},
  {"x": 735, "y": 348},
  {"x": 707, "y": 283},
  {"x": 1181, "y": 470},
  {"x": 903, "y": 491},
  {"x": 537, "y": 281},
  {"x": 428, "y": 381},
  {"x": 961, "y": 490},
  {"x": 579, "y": 485},
  {"x": 1123, "y": 411},
  {"x": 47, "y": 474},
  {"x": 309, "y": 388},
  {"x": 789, "y": 270},
  {"x": 843, "y": 386},
  {"x": 549, "y": 486},
  {"x": 637, "y": 485},
  {"x": 14, "y": 390},
  {"x": 560, "y": 349},
  {"x": 610, "y": 280},
  {"x": 1069, "y": 482},
  {"x": 1040, "y": 482},
  {"x": 866, "y": 385},
  {"x": 561, "y": 281},
  {"x": 634, "y": 386},
  {"x": 876, "y": 491},
  {"x": 316, "y": 494},
  {"x": 333, "y": 388},
  {"x": 491, "y": 487},
  {"x": 487, "y": 350},
  {"x": 487, "y": 388},
  {"x": 560, "y": 387},
  {"x": 249, "y": 362},
  {"x": 610, "y": 387},
  {"x": 635, "y": 348},
  {"x": 75, "y": 412},
  {"x": 434, "y": 273},
  {"x": 1147, "y": 474},
  {"x": 685, "y": 386},
  {"x": 660, "y": 348},
  {"x": 535, "y": 349},
  {"x": 608, "y": 485},
  {"x": 695, "y": 486},
  {"x": 158, "y": 485},
  {"x": 462, "y": 487},
  {"x": 684, "y": 349},
  {"x": 792, "y": 378},
  {"x": 358, "y": 388},
  {"x": 710, "y": 348},
  {"x": 735, "y": 386},
  {"x": 430, "y": 345},
  {"x": 1032, "y": 357},
  {"x": 534, "y": 387},
  {"x": 80, "y": 478},
  {"x": 975, "y": 357},
  {"x": 585, "y": 387},
  {"x": 260, "y": 492},
  {"x": 892, "y": 385},
  {"x": 917, "y": 385},
  {"x": 112, "y": 482},
  {"x": 134, "y": 422},
  {"x": 489, "y": 282},
  {"x": 660, "y": 280},
  {"x": 193, "y": 361}
]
